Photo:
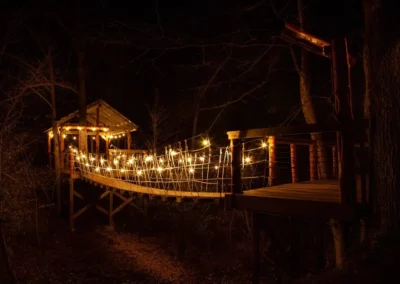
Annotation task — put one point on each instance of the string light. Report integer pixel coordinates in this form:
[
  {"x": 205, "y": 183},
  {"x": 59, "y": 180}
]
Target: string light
[
  {"x": 130, "y": 162},
  {"x": 87, "y": 165},
  {"x": 206, "y": 142},
  {"x": 264, "y": 144},
  {"x": 189, "y": 160},
  {"x": 159, "y": 169},
  {"x": 216, "y": 167},
  {"x": 115, "y": 162},
  {"x": 191, "y": 170},
  {"x": 74, "y": 137},
  {"x": 202, "y": 158},
  {"x": 148, "y": 159},
  {"x": 122, "y": 170},
  {"x": 94, "y": 138},
  {"x": 123, "y": 134},
  {"x": 94, "y": 128},
  {"x": 105, "y": 129},
  {"x": 67, "y": 128},
  {"x": 79, "y": 128},
  {"x": 64, "y": 135},
  {"x": 173, "y": 153},
  {"x": 139, "y": 173},
  {"x": 97, "y": 169},
  {"x": 108, "y": 169},
  {"x": 161, "y": 160},
  {"x": 247, "y": 159},
  {"x": 92, "y": 158},
  {"x": 102, "y": 161}
]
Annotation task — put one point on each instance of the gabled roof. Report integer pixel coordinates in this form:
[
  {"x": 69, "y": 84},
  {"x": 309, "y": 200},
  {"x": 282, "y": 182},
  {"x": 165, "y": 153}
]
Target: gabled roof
[{"x": 108, "y": 117}]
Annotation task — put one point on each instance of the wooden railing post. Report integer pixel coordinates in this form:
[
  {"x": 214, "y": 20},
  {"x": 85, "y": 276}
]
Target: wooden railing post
[
  {"x": 293, "y": 163},
  {"x": 62, "y": 149},
  {"x": 71, "y": 190},
  {"x": 236, "y": 179},
  {"x": 49, "y": 151},
  {"x": 271, "y": 161},
  {"x": 313, "y": 161},
  {"x": 334, "y": 162}
]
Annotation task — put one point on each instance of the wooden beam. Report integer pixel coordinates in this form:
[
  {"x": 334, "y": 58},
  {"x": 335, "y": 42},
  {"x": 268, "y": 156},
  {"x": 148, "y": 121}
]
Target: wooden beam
[
  {"x": 122, "y": 205},
  {"x": 80, "y": 211},
  {"x": 128, "y": 140},
  {"x": 312, "y": 152},
  {"x": 287, "y": 130},
  {"x": 104, "y": 194},
  {"x": 101, "y": 209},
  {"x": 77, "y": 194}
]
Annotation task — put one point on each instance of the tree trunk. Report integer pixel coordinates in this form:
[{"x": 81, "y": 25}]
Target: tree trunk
[
  {"x": 82, "y": 100},
  {"x": 57, "y": 162},
  {"x": 382, "y": 73},
  {"x": 307, "y": 104}
]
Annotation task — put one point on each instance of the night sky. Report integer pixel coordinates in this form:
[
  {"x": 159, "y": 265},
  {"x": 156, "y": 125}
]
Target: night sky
[{"x": 135, "y": 47}]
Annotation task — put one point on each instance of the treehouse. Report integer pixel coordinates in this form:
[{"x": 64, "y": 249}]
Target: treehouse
[{"x": 106, "y": 130}]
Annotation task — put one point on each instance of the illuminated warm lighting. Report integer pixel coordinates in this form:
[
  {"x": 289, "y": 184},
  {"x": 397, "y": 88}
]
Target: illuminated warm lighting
[
  {"x": 148, "y": 159},
  {"x": 122, "y": 170},
  {"x": 123, "y": 134},
  {"x": 191, "y": 170},
  {"x": 108, "y": 169},
  {"x": 94, "y": 128},
  {"x": 130, "y": 162},
  {"x": 216, "y": 167},
  {"x": 77, "y": 158},
  {"x": 70, "y": 146},
  {"x": 75, "y": 151},
  {"x": 101, "y": 161},
  {"x": 173, "y": 153},
  {"x": 111, "y": 137},
  {"x": 92, "y": 158},
  {"x": 159, "y": 169},
  {"x": 247, "y": 159},
  {"x": 105, "y": 129},
  {"x": 189, "y": 160},
  {"x": 139, "y": 173},
  {"x": 202, "y": 158},
  {"x": 180, "y": 161},
  {"x": 87, "y": 165},
  {"x": 102, "y": 136},
  {"x": 264, "y": 145},
  {"x": 74, "y": 137},
  {"x": 64, "y": 135},
  {"x": 79, "y": 128},
  {"x": 206, "y": 142},
  {"x": 94, "y": 138},
  {"x": 67, "y": 128},
  {"x": 115, "y": 162},
  {"x": 97, "y": 169},
  {"x": 161, "y": 160},
  {"x": 119, "y": 136}
]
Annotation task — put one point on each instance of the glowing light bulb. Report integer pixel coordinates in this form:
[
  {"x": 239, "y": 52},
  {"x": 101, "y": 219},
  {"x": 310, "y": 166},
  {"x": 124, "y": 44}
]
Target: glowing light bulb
[
  {"x": 159, "y": 169},
  {"x": 115, "y": 162},
  {"x": 64, "y": 135},
  {"x": 79, "y": 128},
  {"x": 105, "y": 129},
  {"x": 130, "y": 162},
  {"x": 94, "y": 138},
  {"x": 77, "y": 158},
  {"x": 101, "y": 161},
  {"x": 119, "y": 136},
  {"x": 123, "y": 134},
  {"x": 122, "y": 170},
  {"x": 97, "y": 169},
  {"x": 206, "y": 142},
  {"x": 139, "y": 173},
  {"x": 191, "y": 170},
  {"x": 67, "y": 128},
  {"x": 108, "y": 169},
  {"x": 264, "y": 145},
  {"x": 189, "y": 160},
  {"x": 173, "y": 153},
  {"x": 74, "y": 137},
  {"x": 87, "y": 165},
  {"x": 148, "y": 158},
  {"x": 216, "y": 167},
  {"x": 92, "y": 158},
  {"x": 247, "y": 159},
  {"x": 94, "y": 128},
  {"x": 180, "y": 161},
  {"x": 202, "y": 158},
  {"x": 161, "y": 160},
  {"x": 70, "y": 146}
]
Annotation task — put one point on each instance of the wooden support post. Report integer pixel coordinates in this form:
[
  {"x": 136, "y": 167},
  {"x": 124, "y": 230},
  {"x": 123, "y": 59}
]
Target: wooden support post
[
  {"x": 110, "y": 209},
  {"x": 71, "y": 191},
  {"x": 236, "y": 179},
  {"x": 91, "y": 144},
  {"x": 98, "y": 133},
  {"x": 271, "y": 161},
  {"x": 334, "y": 162},
  {"x": 313, "y": 161},
  {"x": 256, "y": 248},
  {"x": 107, "y": 146},
  {"x": 293, "y": 162},
  {"x": 338, "y": 240},
  {"x": 49, "y": 151},
  {"x": 128, "y": 140},
  {"x": 62, "y": 150}
]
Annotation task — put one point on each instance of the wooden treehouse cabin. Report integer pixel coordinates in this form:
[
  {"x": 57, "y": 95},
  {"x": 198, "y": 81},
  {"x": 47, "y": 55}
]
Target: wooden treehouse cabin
[{"x": 106, "y": 131}]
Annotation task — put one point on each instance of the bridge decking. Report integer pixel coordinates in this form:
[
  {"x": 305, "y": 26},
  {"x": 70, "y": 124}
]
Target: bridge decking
[{"x": 318, "y": 198}]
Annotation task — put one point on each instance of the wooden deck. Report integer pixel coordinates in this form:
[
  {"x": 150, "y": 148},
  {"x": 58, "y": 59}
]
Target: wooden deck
[{"x": 319, "y": 198}]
